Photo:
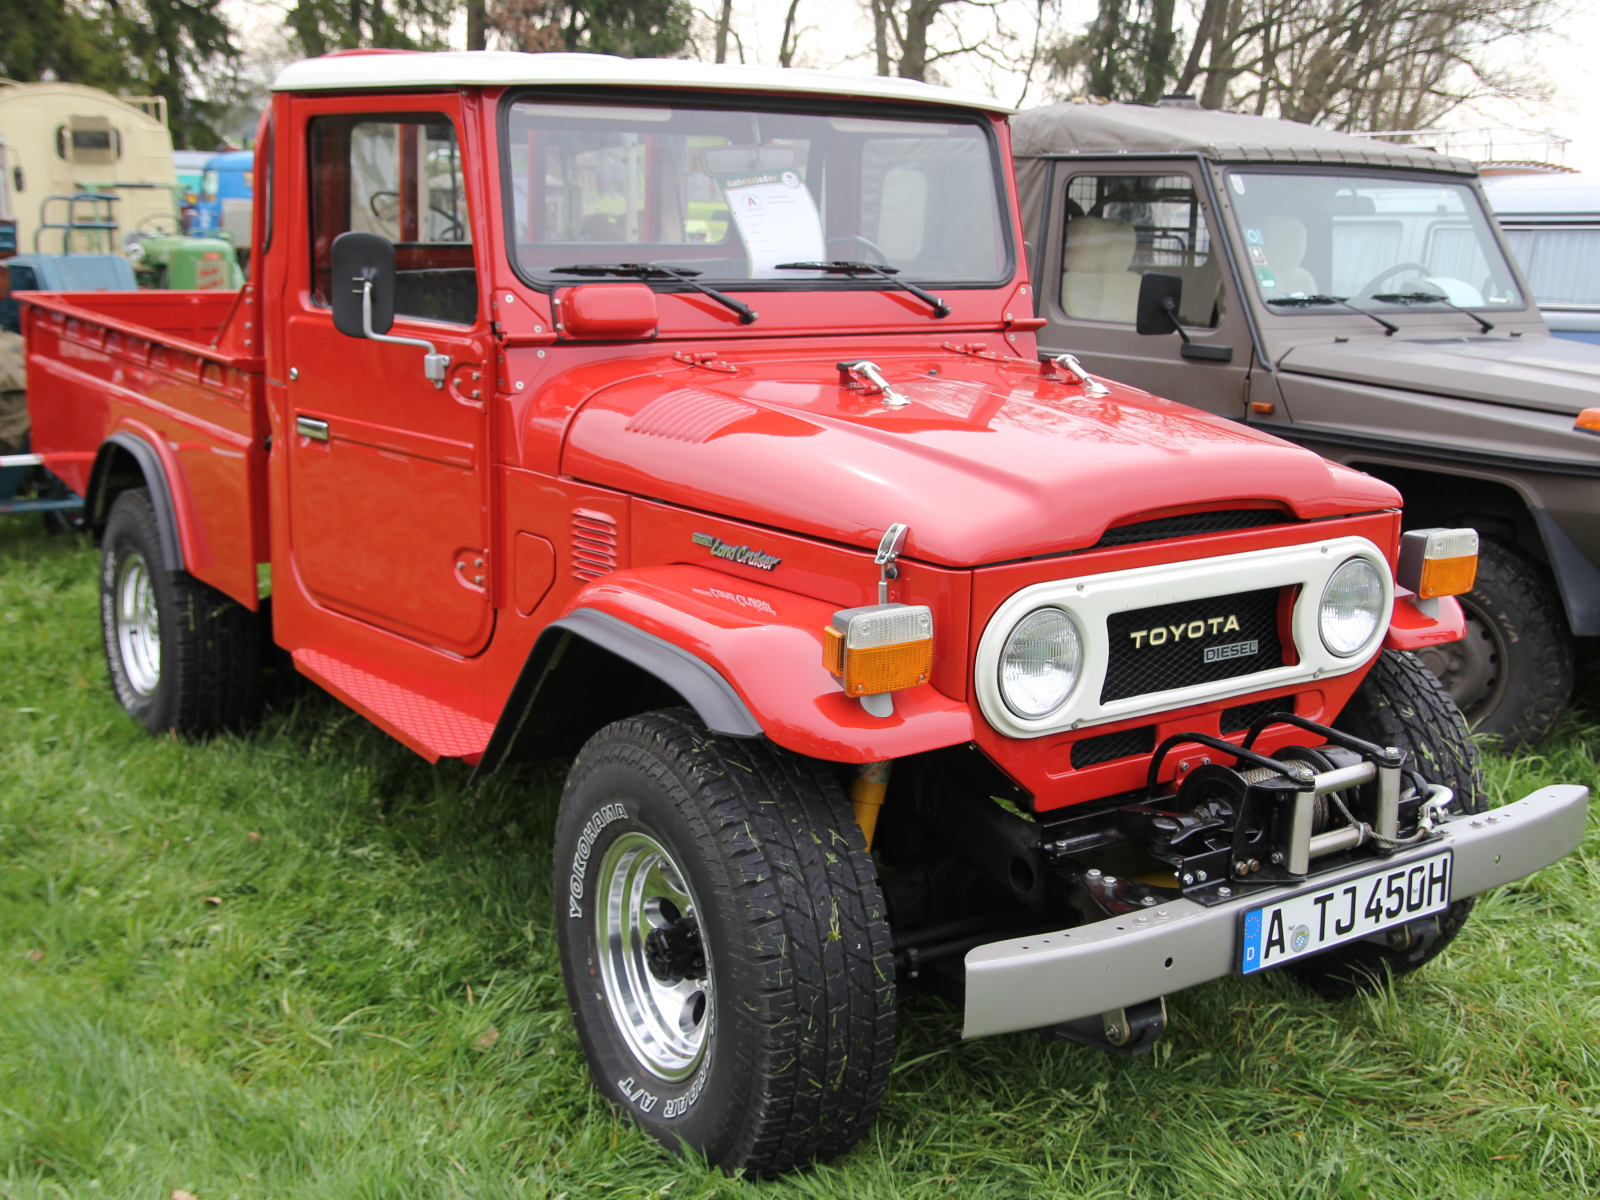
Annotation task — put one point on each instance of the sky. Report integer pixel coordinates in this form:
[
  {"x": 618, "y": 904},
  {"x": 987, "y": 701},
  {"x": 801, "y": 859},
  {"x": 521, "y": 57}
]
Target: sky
[{"x": 836, "y": 34}]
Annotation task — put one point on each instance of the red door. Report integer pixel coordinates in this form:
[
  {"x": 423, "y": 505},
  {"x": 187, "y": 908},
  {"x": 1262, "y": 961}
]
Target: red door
[{"x": 388, "y": 496}]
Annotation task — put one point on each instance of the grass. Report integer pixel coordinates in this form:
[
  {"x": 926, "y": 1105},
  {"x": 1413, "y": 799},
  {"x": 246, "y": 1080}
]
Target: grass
[{"x": 305, "y": 963}]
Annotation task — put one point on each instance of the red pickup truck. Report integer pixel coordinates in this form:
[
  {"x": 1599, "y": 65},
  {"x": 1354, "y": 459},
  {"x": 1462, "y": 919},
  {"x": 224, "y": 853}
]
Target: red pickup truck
[{"x": 687, "y": 421}]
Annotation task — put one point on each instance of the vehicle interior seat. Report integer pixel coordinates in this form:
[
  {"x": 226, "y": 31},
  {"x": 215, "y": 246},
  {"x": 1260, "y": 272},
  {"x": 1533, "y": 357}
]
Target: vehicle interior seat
[
  {"x": 1284, "y": 241},
  {"x": 1096, "y": 282},
  {"x": 1203, "y": 294}
]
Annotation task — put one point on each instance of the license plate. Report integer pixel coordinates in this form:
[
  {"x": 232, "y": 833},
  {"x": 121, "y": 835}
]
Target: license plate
[{"x": 1343, "y": 912}]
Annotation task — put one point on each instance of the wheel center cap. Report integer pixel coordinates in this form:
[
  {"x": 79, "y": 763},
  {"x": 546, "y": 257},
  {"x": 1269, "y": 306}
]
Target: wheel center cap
[{"x": 673, "y": 952}]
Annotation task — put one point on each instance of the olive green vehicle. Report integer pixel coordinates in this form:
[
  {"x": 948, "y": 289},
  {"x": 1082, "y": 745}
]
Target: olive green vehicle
[{"x": 1357, "y": 297}]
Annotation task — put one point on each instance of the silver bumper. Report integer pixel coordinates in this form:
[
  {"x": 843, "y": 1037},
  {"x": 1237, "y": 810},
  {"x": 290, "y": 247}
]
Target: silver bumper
[{"x": 1091, "y": 969}]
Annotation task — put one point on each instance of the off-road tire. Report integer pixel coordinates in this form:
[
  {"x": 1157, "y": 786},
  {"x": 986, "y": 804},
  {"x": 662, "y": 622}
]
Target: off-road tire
[
  {"x": 1401, "y": 703},
  {"x": 799, "y": 1033},
  {"x": 208, "y": 663},
  {"x": 1512, "y": 674}
]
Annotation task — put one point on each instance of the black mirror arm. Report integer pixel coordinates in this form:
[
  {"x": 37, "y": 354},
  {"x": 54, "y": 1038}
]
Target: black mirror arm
[
  {"x": 1171, "y": 307},
  {"x": 434, "y": 364}
]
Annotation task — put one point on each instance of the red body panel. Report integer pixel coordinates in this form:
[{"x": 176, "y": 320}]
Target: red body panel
[{"x": 419, "y": 551}]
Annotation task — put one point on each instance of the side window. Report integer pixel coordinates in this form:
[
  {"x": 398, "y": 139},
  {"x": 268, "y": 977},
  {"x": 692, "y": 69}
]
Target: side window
[
  {"x": 399, "y": 176},
  {"x": 1120, "y": 226}
]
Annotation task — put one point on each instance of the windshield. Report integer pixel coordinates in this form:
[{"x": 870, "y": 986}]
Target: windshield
[
  {"x": 1380, "y": 243},
  {"x": 731, "y": 195}
]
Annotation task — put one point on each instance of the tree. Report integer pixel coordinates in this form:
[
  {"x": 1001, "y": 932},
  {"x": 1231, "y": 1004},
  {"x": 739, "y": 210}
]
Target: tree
[
  {"x": 1349, "y": 64},
  {"x": 324, "y": 25},
  {"x": 159, "y": 47},
  {"x": 630, "y": 28}
]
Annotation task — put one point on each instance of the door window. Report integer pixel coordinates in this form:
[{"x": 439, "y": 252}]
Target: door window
[
  {"x": 1562, "y": 265},
  {"x": 399, "y": 176},
  {"x": 1120, "y": 226}
]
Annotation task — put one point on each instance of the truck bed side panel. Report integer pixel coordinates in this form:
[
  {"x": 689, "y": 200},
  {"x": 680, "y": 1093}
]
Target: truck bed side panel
[{"x": 91, "y": 375}]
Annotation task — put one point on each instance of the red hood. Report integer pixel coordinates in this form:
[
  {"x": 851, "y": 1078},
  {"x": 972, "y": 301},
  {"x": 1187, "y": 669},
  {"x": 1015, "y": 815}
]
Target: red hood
[{"x": 987, "y": 463}]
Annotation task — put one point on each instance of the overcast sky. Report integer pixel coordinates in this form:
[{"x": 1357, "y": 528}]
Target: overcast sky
[{"x": 835, "y": 34}]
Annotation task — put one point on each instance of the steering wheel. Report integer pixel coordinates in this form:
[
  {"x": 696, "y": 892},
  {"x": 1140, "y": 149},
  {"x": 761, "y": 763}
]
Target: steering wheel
[
  {"x": 857, "y": 240},
  {"x": 453, "y": 230},
  {"x": 372, "y": 203},
  {"x": 158, "y": 225},
  {"x": 1372, "y": 285}
]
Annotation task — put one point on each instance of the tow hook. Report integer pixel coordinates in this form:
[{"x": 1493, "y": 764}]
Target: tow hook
[{"x": 1131, "y": 1031}]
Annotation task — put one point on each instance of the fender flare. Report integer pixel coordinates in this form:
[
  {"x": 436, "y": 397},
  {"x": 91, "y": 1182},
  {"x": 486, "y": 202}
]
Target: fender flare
[
  {"x": 696, "y": 681},
  {"x": 98, "y": 503},
  {"x": 1577, "y": 579}
]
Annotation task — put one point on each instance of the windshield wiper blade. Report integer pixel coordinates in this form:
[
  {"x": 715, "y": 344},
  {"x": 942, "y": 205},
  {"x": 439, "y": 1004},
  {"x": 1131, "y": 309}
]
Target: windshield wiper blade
[
  {"x": 747, "y": 315},
  {"x": 1389, "y": 328},
  {"x": 1409, "y": 298},
  {"x": 845, "y": 267}
]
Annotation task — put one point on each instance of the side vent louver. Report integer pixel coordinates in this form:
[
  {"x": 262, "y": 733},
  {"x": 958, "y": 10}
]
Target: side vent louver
[{"x": 594, "y": 544}]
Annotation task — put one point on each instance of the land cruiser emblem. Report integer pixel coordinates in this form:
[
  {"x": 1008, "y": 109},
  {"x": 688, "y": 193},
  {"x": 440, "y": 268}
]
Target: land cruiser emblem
[
  {"x": 1162, "y": 634},
  {"x": 740, "y": 554}
]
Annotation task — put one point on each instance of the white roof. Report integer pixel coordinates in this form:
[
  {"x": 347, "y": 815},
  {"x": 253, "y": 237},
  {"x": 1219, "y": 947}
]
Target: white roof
[
  {"x": 1544, "y": 195},
  {"x": 496, "y": 68}
]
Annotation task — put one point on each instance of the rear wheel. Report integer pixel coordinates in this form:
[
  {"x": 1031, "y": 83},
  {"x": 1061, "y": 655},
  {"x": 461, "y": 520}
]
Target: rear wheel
[
  {"x": 181, "y": 655},
  {"x": 1512, "y": 674},
  {"x": 1400, "y": 703},
  {"x": 724, "y": 943}
]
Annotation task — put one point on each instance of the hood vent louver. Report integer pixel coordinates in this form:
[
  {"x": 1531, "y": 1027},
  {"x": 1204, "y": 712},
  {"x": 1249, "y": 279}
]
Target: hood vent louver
[{"x": 688, "y": 415}]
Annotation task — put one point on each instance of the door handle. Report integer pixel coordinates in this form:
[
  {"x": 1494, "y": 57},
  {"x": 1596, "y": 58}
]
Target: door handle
[{"x": 312, "y": 428}]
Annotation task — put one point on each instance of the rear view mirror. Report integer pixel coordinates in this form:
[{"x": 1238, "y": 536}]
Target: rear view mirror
[
  {"x": 735, "y": 160},
  {"x": 360, "y": 259},
  {"x": 1159, "y": 297}
]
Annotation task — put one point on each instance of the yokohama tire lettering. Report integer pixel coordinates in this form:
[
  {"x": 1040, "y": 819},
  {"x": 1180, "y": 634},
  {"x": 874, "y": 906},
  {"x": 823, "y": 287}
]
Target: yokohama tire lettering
[{"x": 580, "y": 857}]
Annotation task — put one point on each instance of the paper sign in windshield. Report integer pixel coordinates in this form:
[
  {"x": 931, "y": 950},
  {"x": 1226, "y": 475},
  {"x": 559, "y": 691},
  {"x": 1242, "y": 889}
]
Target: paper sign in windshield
[{"x": 777, "y": 220}]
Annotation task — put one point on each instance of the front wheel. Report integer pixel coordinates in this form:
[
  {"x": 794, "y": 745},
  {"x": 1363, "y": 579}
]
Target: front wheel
[
  {"x": 1400, "y": 703},
  {"x": 724, "y": 943},
  {"x": 1512, "y": 673}
]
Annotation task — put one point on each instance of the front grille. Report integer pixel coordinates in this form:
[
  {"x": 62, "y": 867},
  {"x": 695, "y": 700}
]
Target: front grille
[
  {"x": 1241, "y": 716},
  {"x": 1189, "y": 525},
  {"x": 1194, "y": 641},
  {"x": 1107, "y": 746}
]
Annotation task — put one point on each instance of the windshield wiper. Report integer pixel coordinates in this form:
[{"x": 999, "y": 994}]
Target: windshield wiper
[
  {"x": 842, "y": 267},
  {"x": 1389, "y": 328},
  {"x": 1409, "y": 298},
  {"x": 747, "y": 315}
]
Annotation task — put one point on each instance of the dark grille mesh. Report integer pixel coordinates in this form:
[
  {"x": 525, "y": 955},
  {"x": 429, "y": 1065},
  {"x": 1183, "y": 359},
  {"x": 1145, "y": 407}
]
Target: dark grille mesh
[
  {"x": 1113, "y": 745},
  {"x": 1242, "y": 716},
  {"x": 1189, "y": 525},
  {"x": 1158, "y": 649}
]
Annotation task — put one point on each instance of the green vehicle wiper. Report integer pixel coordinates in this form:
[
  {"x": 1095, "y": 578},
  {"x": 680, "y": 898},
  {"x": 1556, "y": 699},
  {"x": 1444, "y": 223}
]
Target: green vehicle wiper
[
  {"x": 747, "y": 315},
  {"x": 843, "y": 267},
  {"x": 1409, "y": 298},
  {"x": 1389, "y": 328}
]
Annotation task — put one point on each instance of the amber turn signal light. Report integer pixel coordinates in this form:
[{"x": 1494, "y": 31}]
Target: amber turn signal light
[
  {"x": 1588, "y": 420},
  {"x": 1438, "y": 562},
  {"x": 879, "y": 648}
]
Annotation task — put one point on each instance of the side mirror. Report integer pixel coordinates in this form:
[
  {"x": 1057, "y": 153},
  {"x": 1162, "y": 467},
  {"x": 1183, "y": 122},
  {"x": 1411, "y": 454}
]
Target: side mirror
[
  {"x": 363, "y": 297},
  {"x": 1159, "y": 298},
  {"x": 360, "y": 259}
]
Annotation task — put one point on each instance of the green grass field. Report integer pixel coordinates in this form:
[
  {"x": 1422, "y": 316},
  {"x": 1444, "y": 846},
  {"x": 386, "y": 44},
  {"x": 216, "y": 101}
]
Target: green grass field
[{"x": 304, "y": 963}]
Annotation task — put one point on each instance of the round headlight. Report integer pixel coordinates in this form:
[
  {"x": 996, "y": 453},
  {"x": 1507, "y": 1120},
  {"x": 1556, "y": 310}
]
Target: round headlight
[
  {"x": 1040, "y": 663},
  {"x": 1352, "y": 605}
]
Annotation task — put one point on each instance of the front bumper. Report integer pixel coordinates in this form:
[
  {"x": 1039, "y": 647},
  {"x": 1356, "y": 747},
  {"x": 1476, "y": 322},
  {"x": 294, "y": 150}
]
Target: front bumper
[{"x": 1048, "y": 978}]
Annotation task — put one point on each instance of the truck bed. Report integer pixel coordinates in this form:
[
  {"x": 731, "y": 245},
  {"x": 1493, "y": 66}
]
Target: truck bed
[{"x": 181, "y": 372}]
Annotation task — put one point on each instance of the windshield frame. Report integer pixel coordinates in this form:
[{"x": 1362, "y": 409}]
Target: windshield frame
[
  {"x": 1389, "y": 312},
  {"x": 800, "y": 103}
]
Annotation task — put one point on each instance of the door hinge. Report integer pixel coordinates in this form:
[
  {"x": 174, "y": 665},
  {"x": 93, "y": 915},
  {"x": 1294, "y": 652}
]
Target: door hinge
[{"x": 472, "y": 568}]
